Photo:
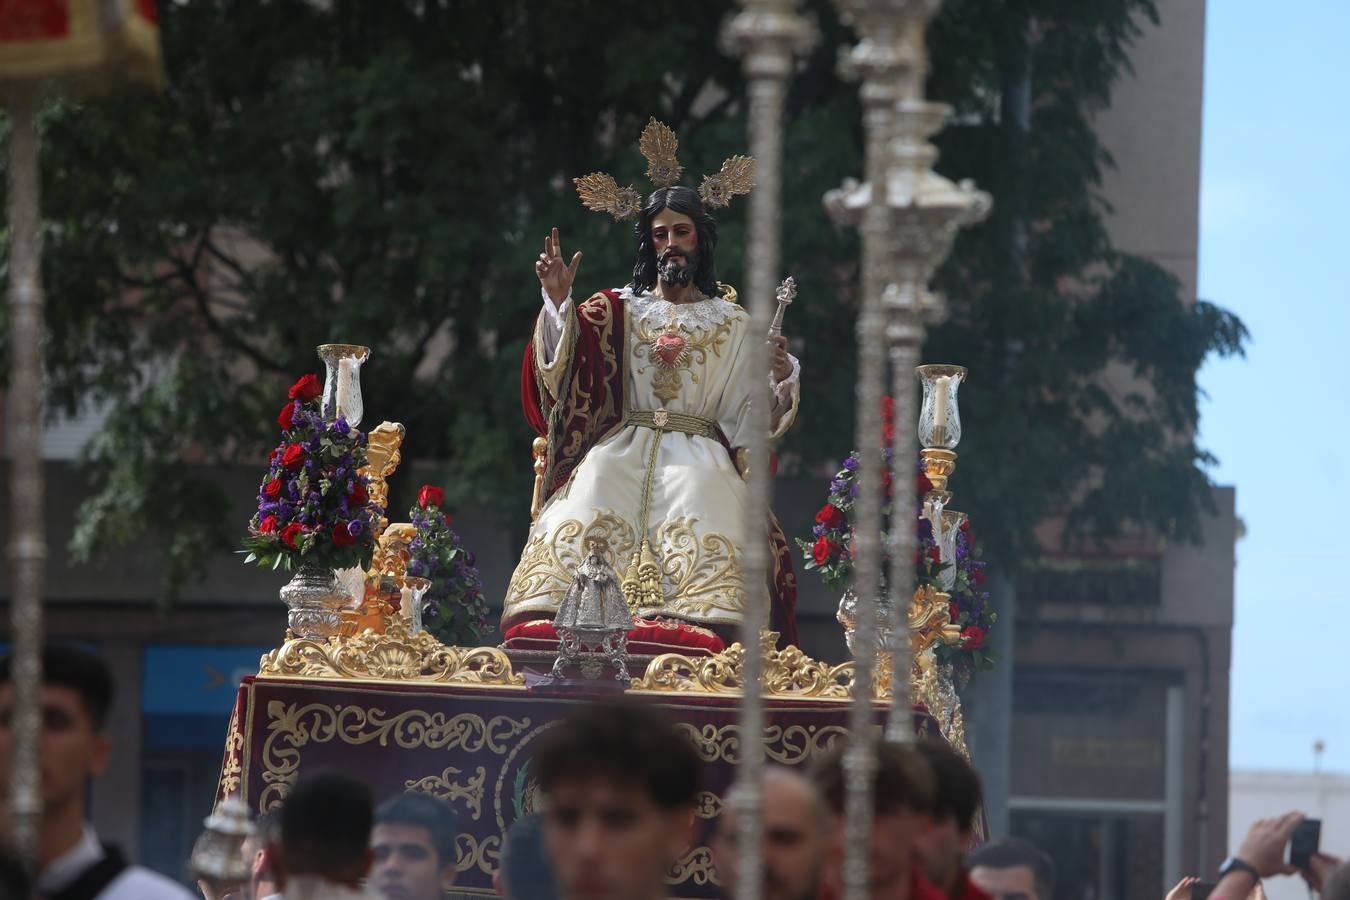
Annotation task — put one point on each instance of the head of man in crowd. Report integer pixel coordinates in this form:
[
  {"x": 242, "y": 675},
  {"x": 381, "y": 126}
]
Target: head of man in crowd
[
  {"x": 254, "y": 850},
  {"x": 902, "y": 801},
  {"x": 1012, "y": 869},
  {"x": 77, "y": 693},
  {"x": 956, "y": 803},
  {"x": 414, "y": 844},
  {"x": 795, "y": 830},
  {"x": 620, "y": 782},
  {"x": 324, "y": 832},
  {"x": 524, "y": 872}
]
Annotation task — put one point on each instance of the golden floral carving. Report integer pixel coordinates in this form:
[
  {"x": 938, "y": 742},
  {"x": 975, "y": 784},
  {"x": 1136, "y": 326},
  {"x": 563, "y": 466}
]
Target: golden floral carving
[
  {"x": 472, "y": 855},
  {"x": 786, "y": 745},
  {"x": 442, "y": 786},
  {"x": 695, "y": 867},
  {"x": 395, "y": 655},
  {"x": 787, "y": 673},
  {"x": 231, "y": 771},
  {"x": 382, "y": 458},
  {"x": 292, "y": 727},
  {"x": 707, "y": 805}
]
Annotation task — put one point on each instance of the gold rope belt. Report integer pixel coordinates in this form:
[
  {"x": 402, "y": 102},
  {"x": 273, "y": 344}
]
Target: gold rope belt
[{"x": 665, "y": 420}]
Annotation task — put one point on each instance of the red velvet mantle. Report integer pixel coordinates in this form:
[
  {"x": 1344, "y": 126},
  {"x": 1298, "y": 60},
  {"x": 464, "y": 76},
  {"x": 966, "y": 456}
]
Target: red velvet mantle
[{"x": 472, "y": 746}]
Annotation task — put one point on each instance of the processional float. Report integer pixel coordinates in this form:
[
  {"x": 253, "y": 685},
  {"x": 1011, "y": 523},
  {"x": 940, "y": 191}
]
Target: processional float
[{"x": 359, "y": 632}]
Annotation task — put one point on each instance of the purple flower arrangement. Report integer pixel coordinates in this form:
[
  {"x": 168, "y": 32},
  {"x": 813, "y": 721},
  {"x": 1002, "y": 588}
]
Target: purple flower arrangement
[
  {"x": 829, "y": 553},
  {"x": 453, "y": 608},
  {"x": 313, "y": 504}
]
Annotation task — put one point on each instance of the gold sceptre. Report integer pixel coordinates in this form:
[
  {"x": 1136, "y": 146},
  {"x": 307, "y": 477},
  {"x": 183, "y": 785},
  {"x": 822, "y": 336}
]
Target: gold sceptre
[{"x": 786, "y": 293}]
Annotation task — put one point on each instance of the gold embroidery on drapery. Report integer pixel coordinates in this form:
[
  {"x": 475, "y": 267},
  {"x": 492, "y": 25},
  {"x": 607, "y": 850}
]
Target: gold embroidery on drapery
[
  {"x": 444, "y": 787},
  {"x": 546, "y": 566},
  {"x": 675, "y": 350}
]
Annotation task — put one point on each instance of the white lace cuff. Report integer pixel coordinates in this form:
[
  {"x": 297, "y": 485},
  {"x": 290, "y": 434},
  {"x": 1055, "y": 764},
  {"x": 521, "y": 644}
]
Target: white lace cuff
[
  {"x": 551, "y": 324},
  {"x": 782, "y": 390}
]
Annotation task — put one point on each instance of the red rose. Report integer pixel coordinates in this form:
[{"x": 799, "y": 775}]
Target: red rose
[
  {"x": 267, "y": 525},
  {"x": 306, "y": 389},
  {"x": 290, "y": 533},
  {"x": 286, "y": 416},
  {"x": 972, "y": 637},
  {"x": 293, "y": 457},
  {"x": 430, "y": 495},
  {"x": 830, "y": 516},
  {"x": 359, "y": 496},
  {"x": 935, "y": 555},
  {"x": 954, "y": 611},
  {"x": 887, "y": 434},
  {"x": 341, "y": 536},
  {"x": 965, "y": 525},
  {"x": 273, "y": 489},
  {"x": 823, "y": 549}
]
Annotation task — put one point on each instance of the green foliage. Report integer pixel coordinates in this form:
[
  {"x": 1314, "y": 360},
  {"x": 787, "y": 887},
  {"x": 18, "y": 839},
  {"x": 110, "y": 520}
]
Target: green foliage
[{"x": 385, "y": 172}]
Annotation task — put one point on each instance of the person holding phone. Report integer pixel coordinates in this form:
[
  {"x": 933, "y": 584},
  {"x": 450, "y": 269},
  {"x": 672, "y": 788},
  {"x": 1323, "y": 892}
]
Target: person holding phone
[{"x": 1286, "y": 845}]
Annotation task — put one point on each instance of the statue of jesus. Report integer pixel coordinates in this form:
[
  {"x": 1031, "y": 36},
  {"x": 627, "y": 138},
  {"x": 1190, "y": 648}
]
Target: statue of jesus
[{"x": 643, "y": 392}]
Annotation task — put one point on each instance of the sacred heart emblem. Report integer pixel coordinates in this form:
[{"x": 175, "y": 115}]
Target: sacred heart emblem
[{"x": 668, "y": 348}]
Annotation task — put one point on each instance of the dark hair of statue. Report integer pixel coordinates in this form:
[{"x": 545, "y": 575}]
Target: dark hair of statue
[
  {"x": 423, "y": 811},
  {"x": 684, "y": 200}
]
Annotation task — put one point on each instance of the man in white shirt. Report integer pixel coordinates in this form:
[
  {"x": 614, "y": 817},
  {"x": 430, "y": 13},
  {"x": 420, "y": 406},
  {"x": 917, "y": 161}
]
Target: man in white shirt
[
  {"x": 77, "y": 692},
  {"x": 324, "y": 848}
]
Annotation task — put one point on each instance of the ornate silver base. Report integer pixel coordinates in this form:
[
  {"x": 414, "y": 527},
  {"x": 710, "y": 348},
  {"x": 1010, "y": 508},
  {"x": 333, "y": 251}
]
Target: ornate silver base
[
  {"x": 315, "y": 600},
  {"x": 590, "y": 653}
]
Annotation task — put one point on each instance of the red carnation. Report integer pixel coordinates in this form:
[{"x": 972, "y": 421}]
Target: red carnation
[
  {"x": 267, "y": 525},
  {"x": 291, "y": 533},
  {"x": 823, "y": 549},
  {"x": 341, "y": 536},
  {"x": 306, "y": 389},
  {"x": 972, "y": 637},
  {"x": 430, "y": 495},
  {"x": 830, "y": 516},
  {"x": 293, "y": 457},
  {"x": 358, "y": 496},
  {"x": 935, "y": 555},
  {"x": 286, "y": 416}
]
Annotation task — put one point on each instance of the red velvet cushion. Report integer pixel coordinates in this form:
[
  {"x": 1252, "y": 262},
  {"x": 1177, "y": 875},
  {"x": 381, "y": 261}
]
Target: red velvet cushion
[{"x": 649, "y": 637}]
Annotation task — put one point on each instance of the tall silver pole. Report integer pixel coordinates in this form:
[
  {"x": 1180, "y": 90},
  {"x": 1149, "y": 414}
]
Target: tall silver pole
[
  {"x": 766, "y": 33},
  {"x": 924, "y": 211},
  {"x": 874, "y": 60},
  {"x": 27, "y": 549}
]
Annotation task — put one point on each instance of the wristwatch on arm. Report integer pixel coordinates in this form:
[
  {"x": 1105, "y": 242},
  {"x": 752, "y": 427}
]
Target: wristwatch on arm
[{"x": 1241, "y": 876}]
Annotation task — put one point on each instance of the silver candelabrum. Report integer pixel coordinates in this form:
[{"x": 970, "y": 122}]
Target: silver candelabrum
[{"x": 908, "y": 215}]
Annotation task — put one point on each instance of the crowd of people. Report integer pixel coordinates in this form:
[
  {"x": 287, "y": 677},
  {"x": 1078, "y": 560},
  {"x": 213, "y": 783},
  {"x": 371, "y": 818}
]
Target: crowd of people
[{"x": 621, "y": 784}]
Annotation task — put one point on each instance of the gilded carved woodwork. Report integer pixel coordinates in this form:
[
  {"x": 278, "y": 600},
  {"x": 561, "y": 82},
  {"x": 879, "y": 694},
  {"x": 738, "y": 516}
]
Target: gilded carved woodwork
[{"x": 395, "y": 655}]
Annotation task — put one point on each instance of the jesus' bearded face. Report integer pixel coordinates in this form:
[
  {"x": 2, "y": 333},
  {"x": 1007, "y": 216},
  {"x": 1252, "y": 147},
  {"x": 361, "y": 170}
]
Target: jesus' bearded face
[{"x": 675, "y": 240}]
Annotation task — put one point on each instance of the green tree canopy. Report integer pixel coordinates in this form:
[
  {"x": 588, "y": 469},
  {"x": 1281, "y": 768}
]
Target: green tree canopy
[{"x": 385, "y": 172}]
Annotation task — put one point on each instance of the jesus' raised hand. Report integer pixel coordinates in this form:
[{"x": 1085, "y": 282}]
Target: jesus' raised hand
[{"x": 555, "y": 275}]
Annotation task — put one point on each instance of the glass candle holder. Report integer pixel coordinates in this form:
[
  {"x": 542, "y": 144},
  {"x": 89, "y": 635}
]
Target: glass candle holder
[
  {"x": 940, "y": 418},
  {"x": 342, "y": 381}
]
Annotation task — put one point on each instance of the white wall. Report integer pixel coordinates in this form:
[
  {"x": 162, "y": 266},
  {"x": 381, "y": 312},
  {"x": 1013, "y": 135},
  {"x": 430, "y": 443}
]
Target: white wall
[{"x": 1257, "y": 795}]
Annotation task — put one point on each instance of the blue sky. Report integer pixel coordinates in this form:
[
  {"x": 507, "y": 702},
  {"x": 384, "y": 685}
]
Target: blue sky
[{"x": 1275, "y": 198}]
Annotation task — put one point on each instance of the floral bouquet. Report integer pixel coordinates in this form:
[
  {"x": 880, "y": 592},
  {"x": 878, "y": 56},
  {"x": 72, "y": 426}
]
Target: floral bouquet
[
  {"x": 313, "y": 505},
  {"x": 830, "y": 553},
  {"x": 453, "y": 608}
]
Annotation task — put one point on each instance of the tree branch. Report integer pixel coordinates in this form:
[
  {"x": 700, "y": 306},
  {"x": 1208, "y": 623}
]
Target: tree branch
[{"x": 188, "y": 271}]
